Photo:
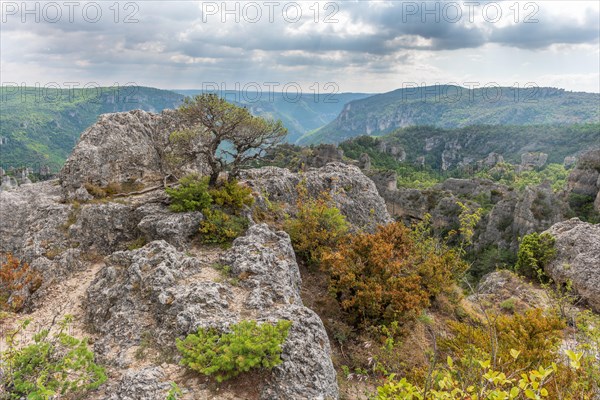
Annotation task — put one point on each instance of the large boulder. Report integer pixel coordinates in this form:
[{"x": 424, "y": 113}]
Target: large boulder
[
  {"x": 157, "y": 222},
  {"x": 577, "y": 258},
  {"x": 161, "y": 292},
  {"x": 352, "y": 192},
  {"x": 122, "y": 149}
]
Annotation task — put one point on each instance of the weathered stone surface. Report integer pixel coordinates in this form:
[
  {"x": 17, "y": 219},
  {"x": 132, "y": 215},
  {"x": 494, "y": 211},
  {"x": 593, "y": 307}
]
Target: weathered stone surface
[
  {"x": 533, "y": 160},
  {"x": 268, "y": 261},
  {"x": 578, "y": 258},
  {"x": 584, "y": 180},
  {"x": 145, "y": 384},
  {"x": 159, "y": 223},
  {"x": 159, "y": 290},
  {"x": 502, "y": 285},
  {"x": 121, "y": 148},
  {"x": 104, "y": 227},
  {"x": 306, "y": 371},
  {"x": 353, "y": 193}
]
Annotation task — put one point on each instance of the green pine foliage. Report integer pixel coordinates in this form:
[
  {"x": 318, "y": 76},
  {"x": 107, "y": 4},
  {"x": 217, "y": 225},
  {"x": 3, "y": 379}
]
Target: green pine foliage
[
  {"x": 247, "y": 346},
  {"x": 191, "y": 195},
  {"x": 221, "y": 206},
  {"x": 55, "y": 364},
  {"x": 535, "y": 251}
]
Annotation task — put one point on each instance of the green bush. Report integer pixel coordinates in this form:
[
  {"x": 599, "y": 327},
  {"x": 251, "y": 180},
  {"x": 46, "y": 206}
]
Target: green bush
[
  {"x": 317, "y": 227},
  {"x": 226, "y": 355},
  {"x": 55, "y": 364},
  {"x": 232, "y": 196},
  {"x": 192, "y": 194},
  {"x": 535, "y": 251},
  {"x": 219, "y": 227},
  {"x": 220, "y": 206}
]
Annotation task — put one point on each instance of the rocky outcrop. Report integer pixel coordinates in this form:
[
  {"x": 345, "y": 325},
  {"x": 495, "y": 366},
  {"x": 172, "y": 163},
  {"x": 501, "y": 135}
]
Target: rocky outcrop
[
  {"x": 352, "y": 192},
  {"x": 164, "y": 293},
  {"x": 507, "y": 214},
  {"x": 121, "y": 149},
  {"x": 533, "y": 160},
  {"x": 158, "y": 223},
  {"x": 577, "y": 258},
  {"x": 584, "y": 180},
  {"x": 504, "y": 287}
]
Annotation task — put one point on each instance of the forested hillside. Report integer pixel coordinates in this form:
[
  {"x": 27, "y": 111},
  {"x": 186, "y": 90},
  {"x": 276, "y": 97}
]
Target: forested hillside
[{"x": 454, "y": 106}]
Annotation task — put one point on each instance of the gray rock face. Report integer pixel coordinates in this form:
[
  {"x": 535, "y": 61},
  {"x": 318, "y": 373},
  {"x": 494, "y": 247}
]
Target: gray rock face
[
  {"x": 121, "y": 148},
  {"x": 145, "y": 384},
  {"x": 104, "y": 227},
  {"x": 584, "y": 180},
  {"x": 159, "y": 290},
  {"x": 353, "y": 193},
  {"x": 158, "y": 223},
  {"x": 511, "y": 214},
  {"x": 268, "y": 260},
  {"x": 578, "y": 258},
  {"x": 533, "y": 160}
]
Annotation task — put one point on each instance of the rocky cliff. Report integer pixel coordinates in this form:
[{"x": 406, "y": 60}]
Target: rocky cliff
[{"x": 135, "y": 279}]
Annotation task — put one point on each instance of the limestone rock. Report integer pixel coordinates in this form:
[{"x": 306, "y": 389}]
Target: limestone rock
[
  {"x": 145, "y": 384},
  {"x": 533, "y": 160},
  {"x": 578, "y": 258},
  {"x": 268, "y": 262},
  {"x": 121, "y": 148},
  {"x": 159, "y": 223},
  {"x": 105, "y": 227},
  {"x": 353, "y": 193},
  {"x": 160, "y": 290},
  {"x": 584, "y": 180}
]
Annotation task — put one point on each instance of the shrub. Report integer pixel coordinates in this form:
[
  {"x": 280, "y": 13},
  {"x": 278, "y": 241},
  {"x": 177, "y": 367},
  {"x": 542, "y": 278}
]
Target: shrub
[
  {"x": 55, "y": 364},
  {"x": 317, "y": 226},
  {"x": 232, "y": 196},
  {"x": 226, "y": 355},
  {"x": 536, "y": 336},
  {"x": 446, "y": 383},
  {"x": 192, "y": 194},
  {"x": 218, "y": 227},
  {"x": 390, "y": 275},
  {"x": 17, "y": 280},
  {"x": 535, "y": 252}
]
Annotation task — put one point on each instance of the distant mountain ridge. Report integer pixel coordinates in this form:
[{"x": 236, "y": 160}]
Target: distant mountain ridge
[
  {"x": 447, "y": 106},
  {"x": 41, "y": 127}
]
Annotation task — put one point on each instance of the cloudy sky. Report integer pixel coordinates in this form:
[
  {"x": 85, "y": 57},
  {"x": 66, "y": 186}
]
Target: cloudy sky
[{"x": 360, "y": 46}]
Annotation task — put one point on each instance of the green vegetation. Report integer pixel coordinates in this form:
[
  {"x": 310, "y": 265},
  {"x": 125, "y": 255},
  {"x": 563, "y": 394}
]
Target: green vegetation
[
  {"x": 227, "y": 137},
  {"x": 221, "y": 206},
  {"x": 318, "y": 226},
  {"x": 506, "y": 174},
  {"x": 218, "y": 227},
  {"x": 42, "y": 125},
  {"x": 191, "y": 195},
  {"x": 476, "y": 142},
  {"x": 55, "y": 364},
  {"x": 535, "y": 251},
  {"x": 248, "y": 345},
  {"x": 454, "y": 107},
  {"x": 583, "y": 207}
]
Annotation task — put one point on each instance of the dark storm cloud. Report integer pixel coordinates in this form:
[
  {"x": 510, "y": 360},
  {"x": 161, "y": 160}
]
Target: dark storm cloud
[{"x": 174, "y": 36}]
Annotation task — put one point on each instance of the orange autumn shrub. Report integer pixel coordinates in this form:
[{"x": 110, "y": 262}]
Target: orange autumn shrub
[
  {"x": 17, "y": 280},
  {"x": 390, "y": 275}
]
